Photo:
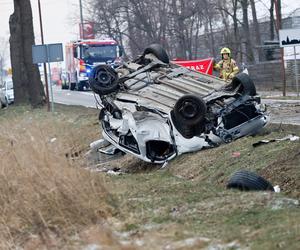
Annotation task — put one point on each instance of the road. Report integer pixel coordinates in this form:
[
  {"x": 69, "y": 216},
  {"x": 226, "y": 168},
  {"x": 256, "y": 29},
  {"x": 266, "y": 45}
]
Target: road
[
  {"x": 69, "y": 97},
  {"x": 282, "y": 111}
]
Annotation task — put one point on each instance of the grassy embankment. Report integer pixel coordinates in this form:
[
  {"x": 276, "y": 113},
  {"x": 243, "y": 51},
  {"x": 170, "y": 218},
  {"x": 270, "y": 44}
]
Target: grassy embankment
[{"x": 48, "y": 198}]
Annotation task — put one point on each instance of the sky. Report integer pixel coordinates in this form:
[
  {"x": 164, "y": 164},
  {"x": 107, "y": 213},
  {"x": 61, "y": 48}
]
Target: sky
[
  {"x": 57, "y": 18},
  {"x": 58, "y": 15}
]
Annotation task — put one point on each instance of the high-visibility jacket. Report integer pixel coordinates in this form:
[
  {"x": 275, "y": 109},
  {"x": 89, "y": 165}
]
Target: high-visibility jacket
[{"x": 227, "y": 68}]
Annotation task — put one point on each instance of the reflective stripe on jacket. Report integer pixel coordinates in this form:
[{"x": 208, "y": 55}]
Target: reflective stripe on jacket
[{"x": 227, "y": 68}]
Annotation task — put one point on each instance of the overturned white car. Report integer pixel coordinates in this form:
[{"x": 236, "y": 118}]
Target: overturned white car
[{"x": 156, "y": 110}]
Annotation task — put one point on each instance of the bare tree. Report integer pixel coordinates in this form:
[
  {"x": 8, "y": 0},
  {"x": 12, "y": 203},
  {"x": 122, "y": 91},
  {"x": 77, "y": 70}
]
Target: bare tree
[
  {"x": 246, "y": 29},
  {"x": 186, "y": 28},
  {"x": 230, "y": 9},
  {"x": 209, "y": 16},
  {"x": 272, "y": 22},
  {"x": 256, "y": 29},
  {"x": 28, "y": 87}
]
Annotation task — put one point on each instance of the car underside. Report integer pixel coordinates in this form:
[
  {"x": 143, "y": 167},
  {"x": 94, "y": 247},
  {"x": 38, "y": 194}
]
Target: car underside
[{"x": 156, "y": 110}]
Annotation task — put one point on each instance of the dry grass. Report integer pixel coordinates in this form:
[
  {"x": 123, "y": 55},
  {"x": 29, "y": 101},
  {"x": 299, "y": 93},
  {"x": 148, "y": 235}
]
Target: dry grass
[
  {"x": 43, "y": 192},
  {"x": 49, "y": 201}
]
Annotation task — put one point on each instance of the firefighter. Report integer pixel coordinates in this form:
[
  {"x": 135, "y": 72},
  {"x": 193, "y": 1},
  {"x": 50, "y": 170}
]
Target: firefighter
[{"x": 227, "y": 66}]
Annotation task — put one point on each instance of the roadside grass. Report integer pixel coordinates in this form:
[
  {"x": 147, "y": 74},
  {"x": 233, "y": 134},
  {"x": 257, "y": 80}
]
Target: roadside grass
[
  {"x": 189, "y": 199},
  {"x": 45, "y": 190},
  {"x": 45, "y": 193}
]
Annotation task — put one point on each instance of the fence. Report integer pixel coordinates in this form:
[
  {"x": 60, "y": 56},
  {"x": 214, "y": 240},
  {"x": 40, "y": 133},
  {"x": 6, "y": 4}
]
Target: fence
[{"x": 267, "y": 75}]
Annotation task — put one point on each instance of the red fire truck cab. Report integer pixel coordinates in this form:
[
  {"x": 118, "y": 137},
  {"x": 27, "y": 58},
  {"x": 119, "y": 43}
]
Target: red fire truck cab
[{"x": 83, "y": 55}]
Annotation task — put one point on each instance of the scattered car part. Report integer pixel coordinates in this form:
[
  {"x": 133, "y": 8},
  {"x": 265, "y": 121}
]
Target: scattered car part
[
  {"x": 289, "y": 137},
  {"x": 248, "y": 181},
  {"x": 156, "y": 110}
]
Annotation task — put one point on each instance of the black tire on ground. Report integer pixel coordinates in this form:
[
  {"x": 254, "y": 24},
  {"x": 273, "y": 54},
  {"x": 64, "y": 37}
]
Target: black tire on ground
[
  {"x": 104, "y": 80},
  {"x": 158, "y": 51},
  {"x": 248, "y": 181},
  {"x": 247, "y": 86},
  {"x": 190, "y": 110}
]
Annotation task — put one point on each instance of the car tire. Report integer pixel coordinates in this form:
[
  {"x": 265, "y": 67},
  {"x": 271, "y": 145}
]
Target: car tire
[
  {"x": 158, "y": 51},
  {"x": 80, "y": 86},
  {"x": 104, "y": 80},
  {"x": 247, "y": 86},
  {"x": 72, "y": 86},
  {"x": 190, "y": 110},
  {"x": 248, "y": 181},
  {"x": 64, "y": 86},
  {"x": 4, "y": 104}
]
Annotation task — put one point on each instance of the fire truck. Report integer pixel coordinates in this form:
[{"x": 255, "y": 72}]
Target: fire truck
[{"x": 83, "y": 55}]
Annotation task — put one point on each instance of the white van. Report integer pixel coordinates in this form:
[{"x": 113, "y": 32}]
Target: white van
[
  {"x": 9, "y": 90},
  {"x": 6, "y": 92}
]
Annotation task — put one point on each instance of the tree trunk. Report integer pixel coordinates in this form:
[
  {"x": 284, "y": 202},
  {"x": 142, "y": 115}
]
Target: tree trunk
[
  {"x": 28, "y": 88},
  {"x": 256, "y": 29},
  {"x": 246, "y": 28},
  {"x": 272, "y": 33},
  {"x": 209, "y": 18}
]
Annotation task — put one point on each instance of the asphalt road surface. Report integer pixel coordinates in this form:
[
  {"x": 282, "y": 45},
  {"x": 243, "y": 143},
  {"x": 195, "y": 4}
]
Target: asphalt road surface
[
  {"x": 68, "y": 97},
  {"x": 282, "y": 111}
]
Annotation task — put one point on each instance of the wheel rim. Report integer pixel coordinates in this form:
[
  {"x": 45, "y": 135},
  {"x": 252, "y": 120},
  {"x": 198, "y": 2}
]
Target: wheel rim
[
  {"x": 189, "y": 109},
  {"x": 103, "y": 77}
]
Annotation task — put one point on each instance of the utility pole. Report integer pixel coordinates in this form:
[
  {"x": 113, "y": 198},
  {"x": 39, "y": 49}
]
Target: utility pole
[
  {"x": 45, "y": 68},
  {"x": 81, "y": 19},
  {"x": 278, "y": 27}
]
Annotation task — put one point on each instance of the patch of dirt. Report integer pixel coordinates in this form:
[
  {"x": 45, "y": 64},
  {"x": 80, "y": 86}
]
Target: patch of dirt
[
  {"x": 286, "y": 113},
  {"x": 285, "y": 173}
]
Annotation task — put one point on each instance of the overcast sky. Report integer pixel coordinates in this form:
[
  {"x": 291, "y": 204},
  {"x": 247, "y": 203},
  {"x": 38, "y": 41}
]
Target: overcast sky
[{"x": 58, "y": 15}]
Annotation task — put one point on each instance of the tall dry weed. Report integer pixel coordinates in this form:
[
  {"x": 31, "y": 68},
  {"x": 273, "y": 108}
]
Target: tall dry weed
[{"x": 40, "y": 188}]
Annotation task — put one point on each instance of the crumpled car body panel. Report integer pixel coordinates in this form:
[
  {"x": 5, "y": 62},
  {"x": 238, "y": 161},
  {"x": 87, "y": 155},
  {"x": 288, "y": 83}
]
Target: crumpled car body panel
[{"x": 148, "y": 116}]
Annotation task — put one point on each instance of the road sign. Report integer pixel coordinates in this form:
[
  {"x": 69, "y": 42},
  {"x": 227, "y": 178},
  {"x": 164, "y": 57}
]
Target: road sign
[
  {"x": 55, "y": 52},
  {"x": 47, "y": 53},
  {"x": 289, "y": 37},
  {"x": 39, "y": 54}
]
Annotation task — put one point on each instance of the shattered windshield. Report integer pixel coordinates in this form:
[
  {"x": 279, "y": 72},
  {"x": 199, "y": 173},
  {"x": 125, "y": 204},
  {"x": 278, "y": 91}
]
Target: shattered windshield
[{"x": 99, "y": 52}]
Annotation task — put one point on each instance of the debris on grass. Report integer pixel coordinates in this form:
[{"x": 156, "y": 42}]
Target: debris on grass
[{"x": 286, "y": 138}]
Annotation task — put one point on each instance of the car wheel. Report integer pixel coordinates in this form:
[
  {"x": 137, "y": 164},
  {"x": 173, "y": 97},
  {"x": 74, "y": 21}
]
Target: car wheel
[
  {"x": 104, "y": 80},
  {"x": 80, "y": 86},
  {"x": 248, "y": 181},
  {"x": 3, "y": 104},
  {"x": 72, "y": 85},
  {"x": 186, "y": 131},
  {"x": 158, "y": 51},
  {"x": 64, "y": 86},
  {"x": 246, "y": 84},
  {"x": 190, "y": 110}
]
